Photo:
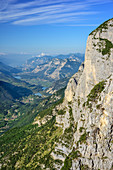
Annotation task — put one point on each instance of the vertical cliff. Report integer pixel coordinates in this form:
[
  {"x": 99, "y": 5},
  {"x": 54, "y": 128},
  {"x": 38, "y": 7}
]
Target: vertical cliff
[{"x": 87, "y": 122}]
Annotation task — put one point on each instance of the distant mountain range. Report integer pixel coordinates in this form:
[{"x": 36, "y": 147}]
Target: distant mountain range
[
  {"x": 50, "y": 69},
  {"x": 41, "y": 59},
  {"x": 19, "y": 59},
  {"x": 53, "y": 69}
]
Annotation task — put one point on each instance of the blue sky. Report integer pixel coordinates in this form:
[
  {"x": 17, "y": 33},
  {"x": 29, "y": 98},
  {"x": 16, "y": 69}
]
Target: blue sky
[{"x": 50, "y": 26}]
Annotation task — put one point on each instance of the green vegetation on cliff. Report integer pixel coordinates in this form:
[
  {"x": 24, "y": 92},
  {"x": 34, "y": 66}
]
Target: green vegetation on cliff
[
  {"x": 108, "y": 46},
  {"x": 103, "y": 26},
  {"x": 98, "y": 88}
]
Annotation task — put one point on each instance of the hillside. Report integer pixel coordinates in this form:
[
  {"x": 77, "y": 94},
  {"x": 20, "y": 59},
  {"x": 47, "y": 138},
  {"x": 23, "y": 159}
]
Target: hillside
[
  {"x": 12, "y": 90},
  {"x": 57, "y": 85},
  {"x": 76, "y": 132},
  {"x": 7, "y": 74},
  {"x": 8, "y": 69},
  {"x": 9, "y": 93}
]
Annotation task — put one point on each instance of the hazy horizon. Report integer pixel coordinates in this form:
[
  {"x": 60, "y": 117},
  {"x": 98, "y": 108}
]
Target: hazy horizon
[{"x": 16, "y": 59}]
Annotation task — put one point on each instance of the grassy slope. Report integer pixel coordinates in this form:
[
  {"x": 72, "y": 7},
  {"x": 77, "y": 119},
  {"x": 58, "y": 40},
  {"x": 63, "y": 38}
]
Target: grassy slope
[{"x": 30, "y": 146}]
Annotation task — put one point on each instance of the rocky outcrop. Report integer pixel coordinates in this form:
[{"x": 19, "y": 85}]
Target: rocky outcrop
[{"x": 87, "y": 122}]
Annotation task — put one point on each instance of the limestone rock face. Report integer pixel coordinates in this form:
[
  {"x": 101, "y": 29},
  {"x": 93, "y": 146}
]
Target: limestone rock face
[
  {"x": 87, "y": 143},
  {"x": 71, "y": 87},
  {"x": 98, "y": 58}
]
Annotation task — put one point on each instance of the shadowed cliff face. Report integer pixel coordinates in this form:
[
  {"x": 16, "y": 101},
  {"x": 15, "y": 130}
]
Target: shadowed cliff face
[{"x": 88, "y": 106}]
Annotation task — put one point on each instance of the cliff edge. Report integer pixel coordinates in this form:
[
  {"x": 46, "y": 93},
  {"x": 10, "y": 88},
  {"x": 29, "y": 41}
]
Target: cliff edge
[{"x": 87, "y": 122}]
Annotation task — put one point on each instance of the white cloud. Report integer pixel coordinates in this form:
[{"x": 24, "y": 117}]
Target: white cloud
[
  {"x": 44, "y": 12},
  {"x": 56, "y": 18}
]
